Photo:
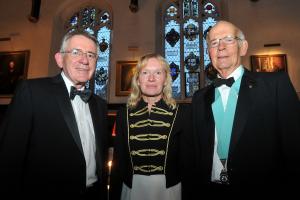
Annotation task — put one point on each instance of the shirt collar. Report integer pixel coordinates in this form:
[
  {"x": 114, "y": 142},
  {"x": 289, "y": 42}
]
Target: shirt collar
[
  {"x": 236, "y": 73},
  {"x": 68, "y": 82}
]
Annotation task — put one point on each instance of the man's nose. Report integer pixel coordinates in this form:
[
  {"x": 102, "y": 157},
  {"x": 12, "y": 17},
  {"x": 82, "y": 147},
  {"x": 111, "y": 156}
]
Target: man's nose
[
  {"x": 84, "y": 59},
  {"x": 221, "y": 45}
]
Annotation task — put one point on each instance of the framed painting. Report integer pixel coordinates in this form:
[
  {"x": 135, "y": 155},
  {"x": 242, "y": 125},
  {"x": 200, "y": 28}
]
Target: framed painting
[
  {"x": 13, "y": 68},
  {"x": 124, "y": 73},
  {"x": 269, "y": 63}
]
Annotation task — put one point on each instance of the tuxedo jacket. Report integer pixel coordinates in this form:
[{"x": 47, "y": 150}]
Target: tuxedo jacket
[
  {"x": 40, "y": 146},
  {"x": 265, "y": 141}
]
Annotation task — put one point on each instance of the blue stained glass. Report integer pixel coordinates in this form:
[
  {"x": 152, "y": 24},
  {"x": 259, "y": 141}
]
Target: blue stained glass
[
  {"x": 89, "y": 30},
  {"x": 87, "y": 22},
  {"x": 105, "y": 18},
  {"x": 186, "y": 8},
  {"x": 192, "y": 82},
  {"x": 93, "y": 13},
  {"x": 102, "y": 69},
  {"x": 209, "y": 22},
  {"x": 206, "y": 24},
  {"x": 195, "y": 8},
  {"x": 74, "y": 20},
  {"x": 172, "y": 11},
  {"x": 186, "y": 54},
  {"x": 172, "y": 54},
  {"x": 174, "y": 70},
  {"x": 191, "y": 46},
  {"x": 85, "y": 17},
  {"x": 92, "y": 17},
  {"x": 209, "y": 8}
]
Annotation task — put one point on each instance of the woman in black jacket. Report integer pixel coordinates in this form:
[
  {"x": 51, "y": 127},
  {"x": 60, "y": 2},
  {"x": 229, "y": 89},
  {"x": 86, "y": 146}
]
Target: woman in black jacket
[{"x": 150, "y": 145}]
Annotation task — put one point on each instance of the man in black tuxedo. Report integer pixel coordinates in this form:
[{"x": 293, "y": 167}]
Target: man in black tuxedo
[
  {"x": 54, "y": 138},
  {"x": 246, "y": 128}
]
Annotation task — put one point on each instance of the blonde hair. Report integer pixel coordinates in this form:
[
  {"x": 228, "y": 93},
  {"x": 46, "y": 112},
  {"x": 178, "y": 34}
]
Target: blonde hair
[{"x": 136, "y": 94}]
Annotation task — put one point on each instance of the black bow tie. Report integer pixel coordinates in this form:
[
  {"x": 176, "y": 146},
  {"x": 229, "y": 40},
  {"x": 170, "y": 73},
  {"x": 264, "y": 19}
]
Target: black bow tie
[
  {"x": 84, "y": 94},
  {"x": 219, "y": 81}
]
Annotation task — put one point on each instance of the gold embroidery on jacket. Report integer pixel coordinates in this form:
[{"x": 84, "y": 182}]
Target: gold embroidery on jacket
[
  {"x": 146, "y": 137},
  {"x": 147, "y": 152},
  {"x": 148, "y": 168},
  {"x": 139, "y": 112},
  {"x": 149, "y": 122},
  {"x": 161, "y": 111},
  {"x": 140, "y": 131}
]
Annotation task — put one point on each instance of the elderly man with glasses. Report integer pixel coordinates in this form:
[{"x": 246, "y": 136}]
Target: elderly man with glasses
[
  {"x": 246, "y": 124},
  {"x": 54, "y": 137}
]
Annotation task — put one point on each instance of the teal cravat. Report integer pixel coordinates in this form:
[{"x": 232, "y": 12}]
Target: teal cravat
[{"x": 224, "y": 118}]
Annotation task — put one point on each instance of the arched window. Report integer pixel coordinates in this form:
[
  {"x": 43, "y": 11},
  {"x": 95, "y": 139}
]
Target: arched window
[
  {"x": 98, "y": 23},
  {"x": 184, "y": 25}
]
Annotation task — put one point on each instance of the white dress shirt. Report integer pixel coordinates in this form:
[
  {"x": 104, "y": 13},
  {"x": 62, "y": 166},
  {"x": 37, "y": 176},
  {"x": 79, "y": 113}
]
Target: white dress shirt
[{"x": 86, "y": 132}]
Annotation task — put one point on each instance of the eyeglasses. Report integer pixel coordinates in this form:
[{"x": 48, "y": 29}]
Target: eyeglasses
[
  {"x": 78, "y": 53},
  {"x": 227, "y": 41}
]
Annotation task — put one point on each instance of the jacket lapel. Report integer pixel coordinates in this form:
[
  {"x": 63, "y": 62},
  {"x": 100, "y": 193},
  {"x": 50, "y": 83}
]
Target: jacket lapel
[
  {"x": 242, "y": 110},
  {"x": 96, "y": 114},
  {"x": 62, "y": 97},
  {"x": 209, "y": 120}
]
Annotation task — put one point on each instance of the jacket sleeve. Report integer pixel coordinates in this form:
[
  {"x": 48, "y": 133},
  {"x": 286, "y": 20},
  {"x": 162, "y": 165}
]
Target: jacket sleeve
[
  {"x": 288, "y": 111},
  {"x": 15, "y": 135},
  {"x": 187, "y": 154}
]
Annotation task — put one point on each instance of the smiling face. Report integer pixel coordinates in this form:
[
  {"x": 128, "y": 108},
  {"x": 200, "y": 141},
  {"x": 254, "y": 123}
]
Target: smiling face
[
  {"x": 79, "y": 68},
  {"x": 226, "y": 57},
  {"x": 151, "y": 79}
]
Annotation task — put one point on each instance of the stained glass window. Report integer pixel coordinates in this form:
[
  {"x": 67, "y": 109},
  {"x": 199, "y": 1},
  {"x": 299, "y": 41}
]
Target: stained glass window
[
  {"x": 185, "y": 23},
  {"x": 98, "y": 23}
]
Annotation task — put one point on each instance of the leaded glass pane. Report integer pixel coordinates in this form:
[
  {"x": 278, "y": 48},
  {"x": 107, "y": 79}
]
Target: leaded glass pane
[
  {"x": 184, "y": 50},
  {"x": 104, "y": 18},
  {"x": 209, "y": 8},
  {"x": 102, "y": 69},
  {"x": 92, "y": 13},
  {"x": 192, "y": 82},
  {"x": 74, "y": 20},
  {"x": 85, "y": 17},
  {"x": 209, "y": 22},
  {"x": 186, "y": 8},
  {"x": 172, "y": 11},
  {"x": 191, "y": 54},
  {"x": 195, "y": 8},
  {"x": 172, "y": 55},
  {"x": 89, "y": 30},
  {"x": 191, "y": 46},
  {"x": 89, "y": 20}
]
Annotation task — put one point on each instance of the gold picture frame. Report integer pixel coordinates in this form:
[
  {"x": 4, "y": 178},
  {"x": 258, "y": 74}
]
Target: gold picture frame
[
  {"x": 269, "y": 63},
  {"x": 13, "y": 68},
  {"x": 124, "y": 73}
]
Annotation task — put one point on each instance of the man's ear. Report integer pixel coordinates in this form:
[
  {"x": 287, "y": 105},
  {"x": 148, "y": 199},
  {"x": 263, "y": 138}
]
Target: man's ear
[
  {"x": 243, "y": 48},
  {"x": 59, "y": 59}
]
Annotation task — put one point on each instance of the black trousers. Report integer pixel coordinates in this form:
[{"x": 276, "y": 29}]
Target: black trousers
[{"x": 96, "y": 191}]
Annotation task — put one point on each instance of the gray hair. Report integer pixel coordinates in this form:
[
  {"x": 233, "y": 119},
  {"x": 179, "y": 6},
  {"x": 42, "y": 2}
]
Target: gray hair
[
  {"x": 238, "y": 31},
  {"x": 69, "y": 35}
]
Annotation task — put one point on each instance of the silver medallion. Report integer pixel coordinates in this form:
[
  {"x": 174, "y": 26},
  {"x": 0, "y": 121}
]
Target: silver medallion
[{"x": 224, "y": 177}]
